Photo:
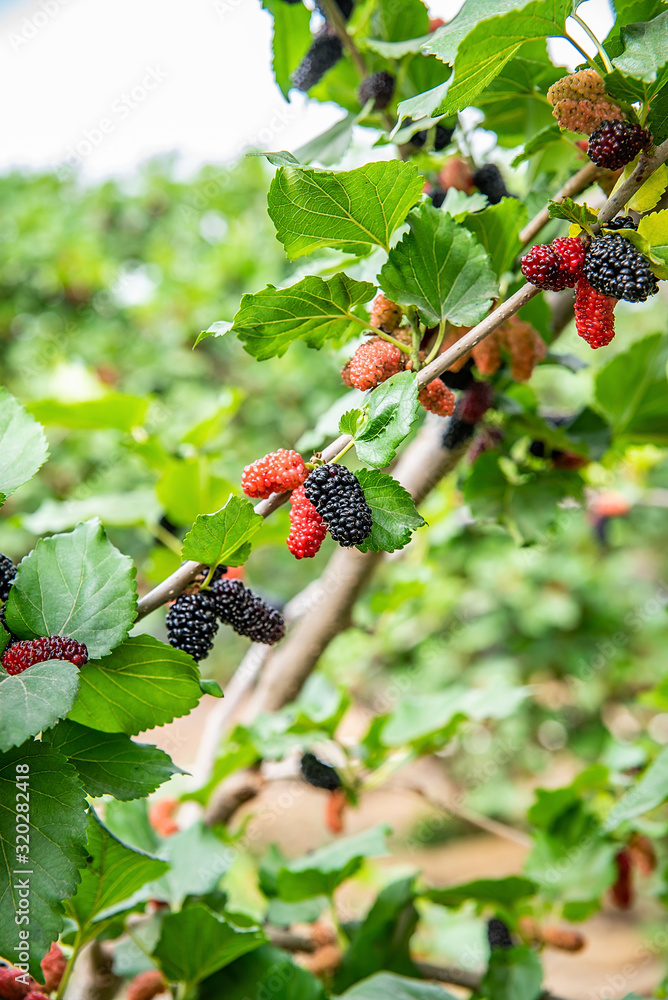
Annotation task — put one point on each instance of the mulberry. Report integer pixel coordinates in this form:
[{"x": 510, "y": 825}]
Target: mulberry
[
  {"x": 11, "y": 988},
  {"x": 53, "y": 967},
  {"x": 337, "y": 495},
  {"x": 7, "y": 576},
  {"x": 442, "y": 136},
  {"x": 275, "y": 473},
  {"x": 191, "y": 624},
  {"x": 525, "y": 346},
  {"x": 319, "y": 774},
  {"x": 475, "y": 403},
  {"x": 437, "y": 398},
  {"x": 325, "y": 51},
  {"x": 345, "y": 6},
  {"x": 487, "y": 354},
  {"x": 621, "y": 222},
  {"x": 580, "y": 102},
  {"x": 498, "y": 934},
  {"x": 489, "y": 181},
  {"x": 378, "y": 87},
  {"x": 622, "y": 891},
  {"x": 555, "y": 266},
  {"x": 147, "y": 985},
  {"x": 246, "y": 613},
  {"x": 594, "y": 315},
  {"x": 385, "y": 314},
  {"x": 615, "y": 143},
  {"x": 615, "y": 268},
  {"x": 372, "y": 363},
  {"x": 22, "y": 655},
  {"x": 307, "y": 528}
]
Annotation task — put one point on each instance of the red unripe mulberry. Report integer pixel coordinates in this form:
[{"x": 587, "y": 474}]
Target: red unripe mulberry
[{"x": 275, "y": 473}]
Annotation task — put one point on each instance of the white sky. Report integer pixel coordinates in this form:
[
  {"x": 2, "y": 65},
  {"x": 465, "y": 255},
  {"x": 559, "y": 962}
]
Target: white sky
[{"x": 123, "y": 80}]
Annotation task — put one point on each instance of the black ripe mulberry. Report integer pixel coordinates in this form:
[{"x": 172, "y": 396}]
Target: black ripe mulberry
[
  {"x": 319, "y": 774},
  {"x": 621, "y": 222},
  {"x": 336, "y": 494},
  {"x": 325, "y": 51},
  {"x": 442, "y": 136},
  {"x": 498, "y": 935},
  {"x": 7, "y": 576},
  {"x": 378, "y": 87},
  {"x": 615, "y": 268},
  {"x": 489, "y": 181},
  {"x": 614, "y": 143},
  {"x": 192, "y": 625},
  {"x": 246, "y": 613}
]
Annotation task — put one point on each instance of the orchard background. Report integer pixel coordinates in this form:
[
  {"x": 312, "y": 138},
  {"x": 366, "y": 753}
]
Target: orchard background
[{"x": 445, "y": 772}]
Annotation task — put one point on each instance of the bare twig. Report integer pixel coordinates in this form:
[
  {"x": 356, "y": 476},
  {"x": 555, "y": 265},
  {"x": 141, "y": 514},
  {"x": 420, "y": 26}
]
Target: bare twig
[
  {"x": 461, "y": 977},
  {"x": 574, "y": 185},
  {"x": 645, "y": 167}
]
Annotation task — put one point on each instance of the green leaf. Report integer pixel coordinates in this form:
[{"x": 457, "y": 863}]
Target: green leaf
[
  {"x": 489, "y": 43},
  {"x": 292, "y": 37},
  {"x": 386, "y": 985},
  {"x": 657, "y": 120},
  {"x": 352, "y": 210},
  {"x": 78, "y": 585},
  {"x": 210, "y": 687},
  {"x": 445, "y": 42},
  {"x": 548, "y": 136},
  {"x": 314, "y": 310},
  {"x": 329, "y": 147},
  {"x": 114, "y": 873},
  {"x": 35, "y": 699},
  {"x": 319, "y": 873},
  {"x": 188, "y": 486},
  {"x": 196, "y": 942},
  {"x": 493, "y": 891},
  {"x": 111, "y": 763},
  {"x": 645, "y": 49},
  {"x": 351, "y": 421},
  {"x": 514, "y": 103},
  {"x": 4, "y": 639},
  {"x": 513, "y": 974},
  {"x": 394, "y": 515},
  {"x": 214, "y": 538},
  {"x": 266, "y": 973},
  {"x": 582, "y": 215},
  {"x": 115, "y": 410},
  {"x": 113, "y": 509},
  {"x": 653, "y": 229},
  {"x": 57, "y": 841},
  {"x": 649, "y": 792},
  {"x": 185, "y": 878},
  {"x": 392, "y": 410},
  {"x": 632, "y": 392},
  {"x": 649, "y": 194},
  {"x": 383, "y": 940},
  {"x": 496, "y": 230},
  {"x": 217, "y": 329},
  {"x": 23, "y": 448},
  {"x": 142, "y": 684},
  {"x": 425, "y": 722},
  {"x": 440, "y": 268}
]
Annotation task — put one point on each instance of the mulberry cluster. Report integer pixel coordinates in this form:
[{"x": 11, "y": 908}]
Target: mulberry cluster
[
  {"x": 519, "y": 339},
  {"x": 319, "y": 774},
  {"x": 594, "y": 315},
  {"x": 192, "y": 625},
  {"x": 615, "y": 143},
  {"x": 554, "y": 266},
  {"x": 307, "y": 528},
  {"x": 325, "y": 51},
  {"x": 22, "y": 655},
  {"x": 337, "y": 495},
  {"x": 372, "y": 363},
  {"x": 442, "y": 136},
  {"x": 489, "y": 181},
  {"x": 580, "y": 102},
  {"x": 246, "y": 613},
  {"x": 275, "y": 473},
  {"x": 379, "y": 88},
  {"x": 498, "y": 934},
  {"x": 615, "y": 268},
  {"x": 385, "y": 314},
  {"x": 437, "y": 398},
  {"x": 7, "y": 576}
]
